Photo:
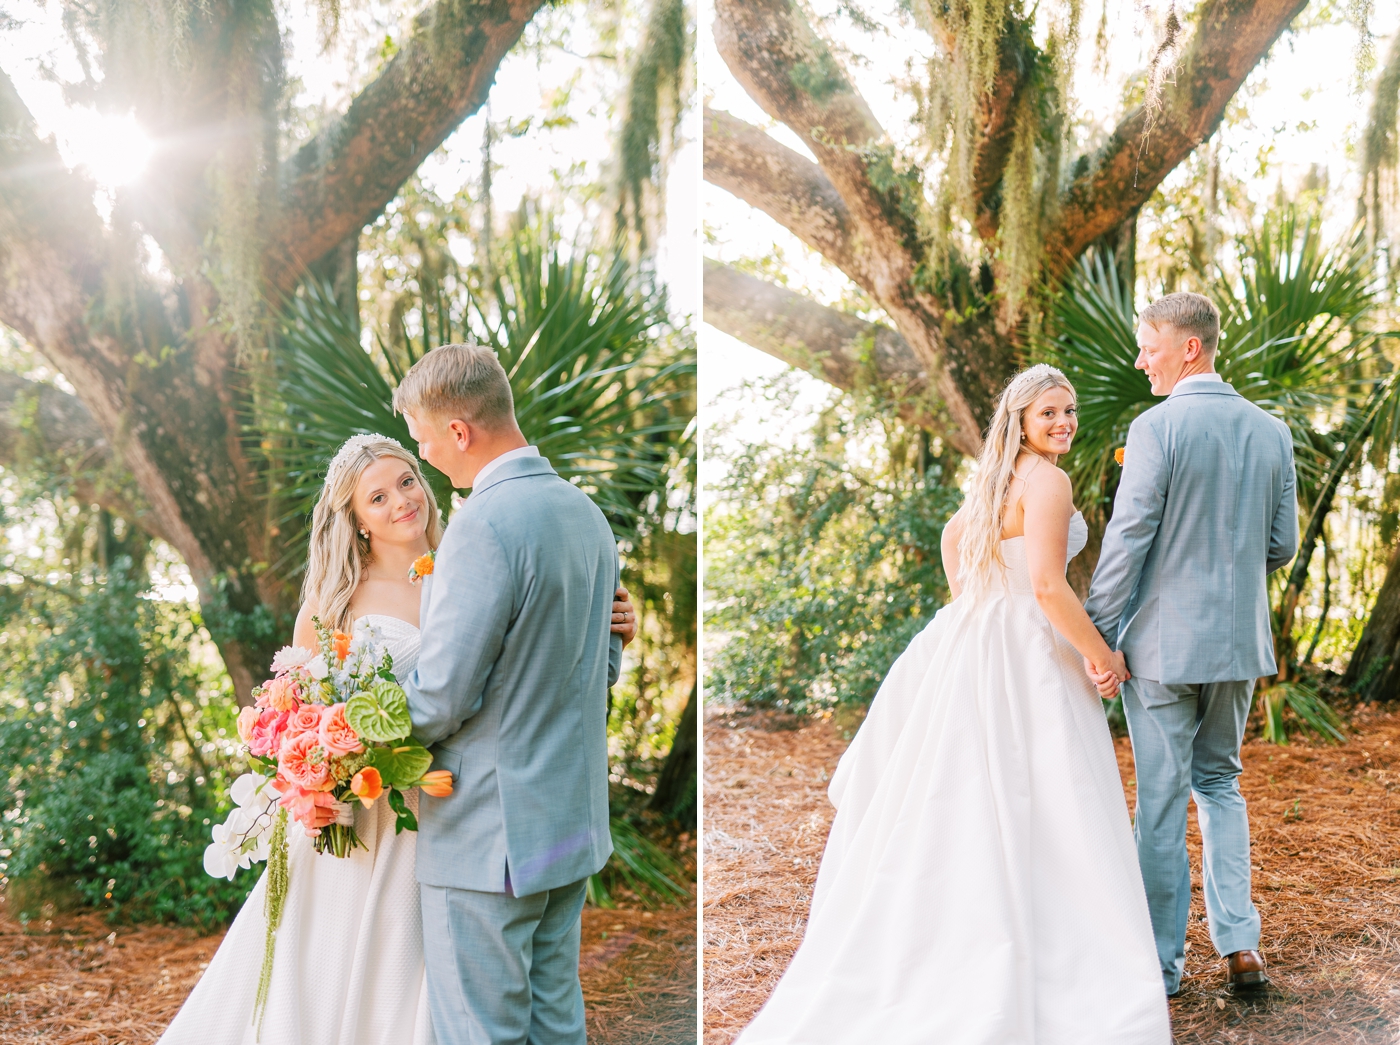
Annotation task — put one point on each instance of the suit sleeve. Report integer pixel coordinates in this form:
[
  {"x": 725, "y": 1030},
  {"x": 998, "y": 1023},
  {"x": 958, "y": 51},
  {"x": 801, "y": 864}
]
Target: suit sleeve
[
  {"x": 471, "y": 606},
  {"x": 1283, "y": 534},
  {"x": 1137, "y": 514}
]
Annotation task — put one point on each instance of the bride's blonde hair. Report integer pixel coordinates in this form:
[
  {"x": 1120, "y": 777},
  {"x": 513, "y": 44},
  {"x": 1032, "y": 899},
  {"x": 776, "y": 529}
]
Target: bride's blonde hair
[
  {"x": 979, "y": 546},
  {"x": 338, "y": 555}
]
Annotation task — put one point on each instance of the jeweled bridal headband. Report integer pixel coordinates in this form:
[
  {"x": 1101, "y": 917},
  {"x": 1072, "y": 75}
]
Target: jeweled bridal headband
[{"x": 354, "y": 445}]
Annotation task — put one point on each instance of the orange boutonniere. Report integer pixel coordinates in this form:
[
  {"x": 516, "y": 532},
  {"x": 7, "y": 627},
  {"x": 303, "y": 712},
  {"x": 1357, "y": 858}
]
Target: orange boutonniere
[
  {"x": 1118, "y": 454},
  {"x": 422, "y": 567}
]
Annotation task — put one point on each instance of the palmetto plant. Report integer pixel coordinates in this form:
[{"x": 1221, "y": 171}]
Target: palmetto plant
[
  {"x": 1295, "y": 340},
  {"x": 579, "y": 338}
]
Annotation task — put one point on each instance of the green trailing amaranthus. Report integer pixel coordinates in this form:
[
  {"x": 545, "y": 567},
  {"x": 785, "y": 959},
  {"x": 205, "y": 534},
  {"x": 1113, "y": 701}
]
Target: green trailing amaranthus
[{"x": 273, "y": 901}]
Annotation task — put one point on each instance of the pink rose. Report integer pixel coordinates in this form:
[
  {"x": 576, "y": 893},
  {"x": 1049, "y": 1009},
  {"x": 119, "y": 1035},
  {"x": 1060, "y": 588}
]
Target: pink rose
[
  {"x": 305, "y": 719},
  {"x": 266, "y": 735},
  {"x": 336, "y": 735},
  {"x": 303, "y": 761},
  {"x": 247, "y": 719},
  {"x": 281, "y": 694}
]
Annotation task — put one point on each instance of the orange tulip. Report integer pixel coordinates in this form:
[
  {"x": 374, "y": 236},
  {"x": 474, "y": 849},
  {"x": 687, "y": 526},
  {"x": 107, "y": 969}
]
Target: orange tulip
[
  {"x": 367, "y": 785},
  {"x": 340, "y": 645},
  {"x": 438, "y": 783}
]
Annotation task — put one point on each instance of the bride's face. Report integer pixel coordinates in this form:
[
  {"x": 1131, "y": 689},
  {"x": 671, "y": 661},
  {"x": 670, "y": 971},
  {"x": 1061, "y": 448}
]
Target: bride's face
[
  {"x": 1050, "y": 422},
  {"x": 390, "y": 504}
]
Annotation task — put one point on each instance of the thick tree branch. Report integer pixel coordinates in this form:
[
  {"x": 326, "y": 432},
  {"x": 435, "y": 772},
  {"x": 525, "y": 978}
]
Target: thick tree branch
[
  {"x": 792, "y": 190},
  {"x": 342, "y": 180},
  {"x": 841, "y": 349},
  {"x": 1230, "y": 37},
  {"x": 785, "y": 67}
]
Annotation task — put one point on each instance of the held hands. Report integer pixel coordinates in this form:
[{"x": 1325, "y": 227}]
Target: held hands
[
  {"x": 624, "y": 617},
  {"x": 1109, "y": 676}
]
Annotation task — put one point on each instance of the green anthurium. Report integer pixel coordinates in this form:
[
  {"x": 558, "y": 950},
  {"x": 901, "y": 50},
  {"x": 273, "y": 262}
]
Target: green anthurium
[
  {"x": 379, "y": 714},
  {"x": 401, "y": 763}
]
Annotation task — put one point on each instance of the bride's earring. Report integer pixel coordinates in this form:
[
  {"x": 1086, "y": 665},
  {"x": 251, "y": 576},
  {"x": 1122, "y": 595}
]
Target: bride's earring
[{"x": 364, "y": 534}]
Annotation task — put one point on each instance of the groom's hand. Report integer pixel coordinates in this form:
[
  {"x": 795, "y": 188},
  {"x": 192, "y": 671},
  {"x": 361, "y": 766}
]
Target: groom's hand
[{"x": 624, "y": 616}]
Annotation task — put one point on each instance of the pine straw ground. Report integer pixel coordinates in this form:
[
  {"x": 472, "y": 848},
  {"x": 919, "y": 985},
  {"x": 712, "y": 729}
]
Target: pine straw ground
[
  {"x": 76, "y": 980},
  {"x": 1325, "y": 822}
]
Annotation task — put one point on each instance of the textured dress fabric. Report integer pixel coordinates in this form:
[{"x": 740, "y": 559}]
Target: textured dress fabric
[
  {"x": 348, "y": 966},
  {"x": 980, "y": 884}
]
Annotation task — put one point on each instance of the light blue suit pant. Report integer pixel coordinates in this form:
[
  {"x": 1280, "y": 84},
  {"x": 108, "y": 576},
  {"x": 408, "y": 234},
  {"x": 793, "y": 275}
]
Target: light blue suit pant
[
  {"x": 503, "y": 969},
  {"x": 1186, "y": 743}
]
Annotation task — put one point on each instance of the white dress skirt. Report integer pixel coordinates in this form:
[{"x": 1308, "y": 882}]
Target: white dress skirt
[
  {"x": 980, "y": 885},
  {"x": 348, "y": 966}
]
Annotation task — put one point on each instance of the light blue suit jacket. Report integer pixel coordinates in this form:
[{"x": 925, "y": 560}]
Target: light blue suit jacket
[
  {"x": 1206, "y": 509},
  {"x": 511, "y": 688}
]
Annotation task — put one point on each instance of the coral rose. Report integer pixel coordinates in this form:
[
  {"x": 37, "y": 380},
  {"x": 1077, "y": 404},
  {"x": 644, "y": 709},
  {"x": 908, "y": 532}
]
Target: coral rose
[
  {"x": 367, "y": 785},
  {"x": 247, "y": 719},
  {"x": 267, "y": 732},
  {"x": 336, "y": 735},
  {"x": 340, "y": 645},
  {"x": 438, "y": 783},
  {"x": 281, "y": 694},
  {"x": 303, "y": 761},
  {"x": 305, "y": 719}
]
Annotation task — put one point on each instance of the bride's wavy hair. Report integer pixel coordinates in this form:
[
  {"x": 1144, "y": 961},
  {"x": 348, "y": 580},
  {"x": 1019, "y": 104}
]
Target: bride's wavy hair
[
  {"x": 979, "y": 547},
  {"x": 338, "y": 554}
]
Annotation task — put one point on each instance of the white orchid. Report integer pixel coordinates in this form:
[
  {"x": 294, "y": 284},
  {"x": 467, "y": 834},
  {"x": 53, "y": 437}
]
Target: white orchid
[
  {"x": 243, "y": 838},
  {"x": 289, "y": 657}
]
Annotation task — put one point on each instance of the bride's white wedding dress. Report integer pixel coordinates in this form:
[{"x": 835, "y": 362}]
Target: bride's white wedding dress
[
  {"x": 348, "y": 967},
  {"x": 980, "y": 885}
]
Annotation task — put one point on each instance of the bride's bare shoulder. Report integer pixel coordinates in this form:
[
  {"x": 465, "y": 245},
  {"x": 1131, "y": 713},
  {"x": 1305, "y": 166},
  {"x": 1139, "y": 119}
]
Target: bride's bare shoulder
[{"x": 304, "y": 632}]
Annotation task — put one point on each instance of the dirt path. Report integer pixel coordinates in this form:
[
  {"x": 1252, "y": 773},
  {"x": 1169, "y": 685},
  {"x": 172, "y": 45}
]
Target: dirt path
[
  {"x": 1325, "y": 823},
  {"x": 73, "y": 980}
]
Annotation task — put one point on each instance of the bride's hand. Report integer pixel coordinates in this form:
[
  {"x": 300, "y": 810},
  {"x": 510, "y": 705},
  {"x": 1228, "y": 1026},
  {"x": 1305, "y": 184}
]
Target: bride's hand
[{"x": 624, "y": 616}]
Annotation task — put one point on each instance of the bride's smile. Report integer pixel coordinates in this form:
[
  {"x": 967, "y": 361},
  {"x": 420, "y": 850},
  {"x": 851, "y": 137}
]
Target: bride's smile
[{"x": 389, "y": 504}]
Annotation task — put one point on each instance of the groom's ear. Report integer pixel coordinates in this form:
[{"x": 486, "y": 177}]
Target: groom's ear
[{"x": 460, "y": 433}]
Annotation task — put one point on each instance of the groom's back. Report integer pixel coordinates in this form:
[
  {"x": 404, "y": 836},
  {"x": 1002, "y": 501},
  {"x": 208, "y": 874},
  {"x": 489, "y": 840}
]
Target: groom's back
[
  {"x": 532, "y": 770},
  {"x": 1216, "y": 472}
]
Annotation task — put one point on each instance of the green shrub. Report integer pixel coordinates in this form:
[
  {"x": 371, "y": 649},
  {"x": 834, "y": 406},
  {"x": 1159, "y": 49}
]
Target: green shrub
[
  {"x": 118, "y": 742},
  {"x": 823, "y": 562}
]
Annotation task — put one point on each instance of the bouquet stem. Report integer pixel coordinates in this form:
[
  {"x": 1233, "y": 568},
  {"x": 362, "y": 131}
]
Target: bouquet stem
[{"x": 339, "y": 839}]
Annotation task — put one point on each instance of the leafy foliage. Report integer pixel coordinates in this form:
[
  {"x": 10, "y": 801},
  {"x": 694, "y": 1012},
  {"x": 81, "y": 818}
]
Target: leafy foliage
[
  {"x": 822, "y": 564},
  {"x": 116, "y": 734}
]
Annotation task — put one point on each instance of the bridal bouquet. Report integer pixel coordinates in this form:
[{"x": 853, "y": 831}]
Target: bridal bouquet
[{"x": 328, "y": 728}]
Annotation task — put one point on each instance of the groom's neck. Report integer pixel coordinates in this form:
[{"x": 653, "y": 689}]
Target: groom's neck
[{"x": 492, "y": 446}]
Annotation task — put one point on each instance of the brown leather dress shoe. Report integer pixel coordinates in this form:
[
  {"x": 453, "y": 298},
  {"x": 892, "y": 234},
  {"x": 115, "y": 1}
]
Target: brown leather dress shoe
[{"x": 1246, "y": 972}]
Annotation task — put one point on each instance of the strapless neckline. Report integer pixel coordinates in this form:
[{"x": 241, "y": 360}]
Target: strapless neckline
[{"x": 384, "y": 616}]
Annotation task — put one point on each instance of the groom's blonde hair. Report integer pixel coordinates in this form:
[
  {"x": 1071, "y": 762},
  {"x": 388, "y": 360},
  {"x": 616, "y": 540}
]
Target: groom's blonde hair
[
  {"x": 466, "y": 382},
  {"x": 1193, "y": 315}
]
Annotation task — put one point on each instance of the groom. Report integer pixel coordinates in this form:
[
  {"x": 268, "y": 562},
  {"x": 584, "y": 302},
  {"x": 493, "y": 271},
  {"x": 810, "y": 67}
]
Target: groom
[
  {"x": 1205, "y": 510},
  {"x": 511, "y": 694}
]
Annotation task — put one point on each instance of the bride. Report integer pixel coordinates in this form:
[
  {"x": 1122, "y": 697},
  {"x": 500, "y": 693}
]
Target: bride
[
  {"x": 980, "y": 884},
  {"x": 348, "y": 966}
]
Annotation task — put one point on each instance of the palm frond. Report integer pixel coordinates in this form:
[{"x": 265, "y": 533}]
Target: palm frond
[
  {"x": 597, "y": 388},
  {"x": 646, "y": 869},
  {"x": 1306, "y": 705}
]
